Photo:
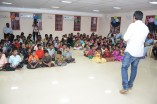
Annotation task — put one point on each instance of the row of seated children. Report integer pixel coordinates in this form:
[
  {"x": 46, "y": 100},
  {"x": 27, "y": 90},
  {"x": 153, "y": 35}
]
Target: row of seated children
[
  {"x": 102, "y": 55},
  {"x": 35, "y": 58},
  {"x": 100, "y": 49}
]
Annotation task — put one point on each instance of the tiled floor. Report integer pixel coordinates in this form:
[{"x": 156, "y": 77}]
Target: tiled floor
[{"x": 83, "y": 82}]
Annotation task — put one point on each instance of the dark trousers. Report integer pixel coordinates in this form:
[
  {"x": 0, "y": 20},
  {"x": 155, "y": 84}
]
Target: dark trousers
[
  {"x": 70, "y": 60},
  {"x": 33, "y": 64},
  {"x": 35, "y": 35},
  {"x": 7, "y": 67},
  {"x": 43, "y": 65}
]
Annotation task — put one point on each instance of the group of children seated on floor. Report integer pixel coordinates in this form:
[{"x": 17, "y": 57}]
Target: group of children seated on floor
[
  {"x": 49, "y": 52},
  {"x": 43, "y": 53},
  {"x": 100, "y": 49}
]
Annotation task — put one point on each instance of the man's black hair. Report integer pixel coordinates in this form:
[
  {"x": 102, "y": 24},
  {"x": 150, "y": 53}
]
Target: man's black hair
[{"x": 138, "y": 15}]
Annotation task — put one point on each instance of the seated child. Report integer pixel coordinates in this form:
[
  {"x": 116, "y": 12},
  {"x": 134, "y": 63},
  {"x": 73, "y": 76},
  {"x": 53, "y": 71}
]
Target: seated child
[
  {"x": 63, "y": 50},
  {"x": 36, "y": 46},
  {"x": 122, "y": 51},
  {"x": 46, "y": 60},
  {"x": 97, "y": 57},
  {"x": 17, "y": 44},
  {"x": 91, "y": 52},
  {"x": 107, "y": 55},
  {"x": 60, "y": 46},
  {"x": 3, "y": 60},
  {"x": 23, "y": 50},
  {"x": 78, "y": 45},
  {"x": 52, "y": 51},
  {"x": 59, "y": 60},
  {"x": 87, "y": 48},
  {"x": 26, "y": 56},
  {"x": 15, "y": 60},
  {"x": 95, "y": 45},
  {"x": 68, "y": 56},
  {"x": 33, "y": 61},
  {"x": 7, "y": 46},
  {"x": 116, "y": 54},
  {"x": 39, "y": 52},
  {"x": 45, "y": 40}
]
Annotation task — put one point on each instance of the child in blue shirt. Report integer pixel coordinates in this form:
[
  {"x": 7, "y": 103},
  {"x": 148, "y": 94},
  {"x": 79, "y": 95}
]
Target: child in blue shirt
[
  {"x": 15, "y": 60},
  {"x": 68, "y": 55}
]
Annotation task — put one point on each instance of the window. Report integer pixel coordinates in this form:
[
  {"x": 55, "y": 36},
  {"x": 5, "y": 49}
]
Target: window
[
  {"x": 77, "y": 23},
  {"x": 58, "y": 22},
  {"x": 93, "y": 24}
]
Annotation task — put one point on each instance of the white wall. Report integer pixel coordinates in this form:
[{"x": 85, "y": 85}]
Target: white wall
[
  {"x": 103, "y": 25},
  {"x": 48, "y": 25},
  {"x": 104, "y": 22}
]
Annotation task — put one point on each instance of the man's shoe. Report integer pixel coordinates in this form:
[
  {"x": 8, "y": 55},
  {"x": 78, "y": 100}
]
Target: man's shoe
[{"x": 123, "y": 91}]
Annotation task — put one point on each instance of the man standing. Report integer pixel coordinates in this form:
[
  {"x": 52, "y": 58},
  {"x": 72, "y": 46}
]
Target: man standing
[
  {"x": 8, "y": 32},
  {"x": 135, "y": 37}
]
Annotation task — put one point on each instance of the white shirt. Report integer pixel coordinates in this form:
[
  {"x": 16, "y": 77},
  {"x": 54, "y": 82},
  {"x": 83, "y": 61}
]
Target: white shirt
[
  {"x": 3, "y": 60},
  {"x": 14, "y": 60},
  {"x": 52, "y": 52},
  {"x": 135, "y": 37},
  {"x": 35, "y": 29},
  {"x": 7, "y": 30}
]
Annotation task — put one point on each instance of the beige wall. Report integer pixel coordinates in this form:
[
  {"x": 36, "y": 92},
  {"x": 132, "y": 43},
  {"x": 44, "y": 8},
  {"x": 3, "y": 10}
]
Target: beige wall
[
  {"x": 104, "y": 22},
  {"x": 48, "y": 25}
]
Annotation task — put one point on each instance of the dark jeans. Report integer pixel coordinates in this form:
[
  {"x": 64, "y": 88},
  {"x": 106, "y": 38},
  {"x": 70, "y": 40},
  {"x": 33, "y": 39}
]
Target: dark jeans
[
  {"x": 33, "y": 64},
  {"x": 127, "y": 60},
  {"x": 43, "y": 65},
  {"x": 8, "y": 67},
  {"x": 70, "y": 60},
  {"x": 35, "y": 35}
]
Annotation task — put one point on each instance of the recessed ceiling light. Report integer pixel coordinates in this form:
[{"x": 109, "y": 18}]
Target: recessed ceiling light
[
  {"x": 55, "y": 7},
  {"x": 6, "y": 3},
  {"x": 66, "y": 2},
  {"x": 96, "y": 10},
  {"x": 153, "y": 2},
  {"x": 116, "y": 7}
]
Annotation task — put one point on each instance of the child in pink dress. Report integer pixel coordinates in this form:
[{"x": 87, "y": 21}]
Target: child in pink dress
[
  {"x": 116, "y": 54},
  {"x": 91, "y": 52}
]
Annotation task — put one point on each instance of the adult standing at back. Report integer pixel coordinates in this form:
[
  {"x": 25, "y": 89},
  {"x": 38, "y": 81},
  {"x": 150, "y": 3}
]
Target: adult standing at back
[
  {"x": 35, "y": 31},
  {"x": 7, "y": 30},
  {"x": 135, "y": 37}
]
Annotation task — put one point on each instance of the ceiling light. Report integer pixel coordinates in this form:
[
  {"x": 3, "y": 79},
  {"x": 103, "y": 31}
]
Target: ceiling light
[
  {"x": 55, "y": 7},
  {"x": 116, "y": 7},
  {"x": 153, "y": 2},
  {"x": 66, "y": 2},
  {"x": 6, "y": 3},
  {"x": 96, "y": 10}
]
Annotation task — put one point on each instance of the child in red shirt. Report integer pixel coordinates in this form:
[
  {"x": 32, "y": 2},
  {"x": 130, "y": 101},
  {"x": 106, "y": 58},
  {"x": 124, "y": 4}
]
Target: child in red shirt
[
  {"x": 39, "y": 52},
  {"x": 17, "y": 44}
]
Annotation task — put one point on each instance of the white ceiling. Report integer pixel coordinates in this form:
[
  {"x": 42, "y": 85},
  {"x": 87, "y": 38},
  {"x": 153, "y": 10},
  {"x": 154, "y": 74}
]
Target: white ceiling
[{"x": 105, "y": 6}]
